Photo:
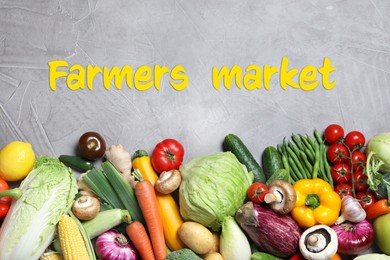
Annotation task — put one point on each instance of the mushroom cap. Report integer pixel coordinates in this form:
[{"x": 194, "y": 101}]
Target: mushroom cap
[
  {"x": 318, "y": 242},
  {"x": 281, "y": 196}
]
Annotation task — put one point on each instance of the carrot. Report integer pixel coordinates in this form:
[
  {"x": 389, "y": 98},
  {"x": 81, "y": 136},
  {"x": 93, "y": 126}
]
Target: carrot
[
  {"x": 147, "y": 200},
  {"x": 377, "y": 209},
  {"x": 169, "y": 209},
  {"x": 140, "y": 239}
]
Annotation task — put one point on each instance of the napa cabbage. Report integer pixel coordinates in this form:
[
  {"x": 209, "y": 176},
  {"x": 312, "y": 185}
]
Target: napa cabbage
[{"x": 30, "y": 225}]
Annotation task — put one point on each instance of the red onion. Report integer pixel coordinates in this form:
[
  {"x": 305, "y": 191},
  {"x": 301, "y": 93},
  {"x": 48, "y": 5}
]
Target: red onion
[
  {"x": 354, "y": 238},
  {"x": 113, "y": 245}
]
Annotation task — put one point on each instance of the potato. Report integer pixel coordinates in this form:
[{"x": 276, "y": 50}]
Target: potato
[
  {"x": 214, "y": 256},
  {"x": 215, "y": 246},
  {"x": 196, "y": 236}
]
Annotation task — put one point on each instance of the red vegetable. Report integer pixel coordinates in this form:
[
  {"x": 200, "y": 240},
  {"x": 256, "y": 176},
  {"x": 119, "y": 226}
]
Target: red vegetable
[
  {"x": 354, "y": 140},
  {"x": 257, "y": 191},
  {"x": 344, "y": 189},
  {"x": 358, "y": 160},
  {"x": 366, "y": 199},
  {"x": 113, "y": 245},
  {"x": 360, "y": 181},
  {"x": 341, "y": 173},
  {"x": 167, "y": 155},
  {"x": 271, "y": 232},
  {"x": 333, "y": 133},
  {"x": 337, "y": 153},
  {"x": 354, "y": 238}
]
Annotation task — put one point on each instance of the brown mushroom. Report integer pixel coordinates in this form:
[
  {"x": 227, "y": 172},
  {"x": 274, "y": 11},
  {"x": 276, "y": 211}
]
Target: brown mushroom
[
  {"x": 86, "y": 207},
  {"x": 281, "y": 197},
  {"x": 168, "y": 181},
  {"x": 318, "y": 242}
]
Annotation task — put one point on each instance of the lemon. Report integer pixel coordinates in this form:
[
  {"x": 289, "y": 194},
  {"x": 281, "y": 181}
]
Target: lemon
[{"x": 16, "y": 160}]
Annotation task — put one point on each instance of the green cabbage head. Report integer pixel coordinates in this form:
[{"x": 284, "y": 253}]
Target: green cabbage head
[{"x": 213, "y": 187}]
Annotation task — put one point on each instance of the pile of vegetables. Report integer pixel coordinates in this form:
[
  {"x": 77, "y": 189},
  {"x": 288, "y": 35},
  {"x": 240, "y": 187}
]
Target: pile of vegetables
[{"x": 319, "y": 196}]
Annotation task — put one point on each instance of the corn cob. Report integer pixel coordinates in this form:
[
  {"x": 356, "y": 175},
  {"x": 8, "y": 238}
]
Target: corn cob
[
  {"x": 72, "y": 243},
  {"x": 51, "y": 256}
]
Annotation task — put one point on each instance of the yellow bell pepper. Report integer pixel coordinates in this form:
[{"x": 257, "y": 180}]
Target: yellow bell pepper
[{"x": 317, "y": 203}]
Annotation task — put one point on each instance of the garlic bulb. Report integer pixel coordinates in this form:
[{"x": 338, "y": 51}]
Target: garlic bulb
[{"x": 351, "y": 210}]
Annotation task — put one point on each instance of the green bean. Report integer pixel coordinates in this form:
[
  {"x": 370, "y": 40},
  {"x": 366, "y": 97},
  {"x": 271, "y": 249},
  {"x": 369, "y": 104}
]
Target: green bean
[
  {"x": 312, "y": 142},
  {"x": 327, "y": 166},
  {"x": 297, "y": 162},
  {"x": 295, "y": 169},
  {"x": 316, "y": 164},
  {"x": 306, "y": 163},
  {"x": 297, "y": 142},
  {"x": 309, "y": 149},
  {"x": 287, "y": 168},
  {"x": 318, "y": 136}
]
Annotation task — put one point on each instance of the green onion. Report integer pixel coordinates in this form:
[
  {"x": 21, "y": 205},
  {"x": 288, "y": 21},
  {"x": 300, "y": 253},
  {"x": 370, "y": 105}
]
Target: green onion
[
  {"x": 124, "y": 191},
  {"x": 98, "y": 182}
]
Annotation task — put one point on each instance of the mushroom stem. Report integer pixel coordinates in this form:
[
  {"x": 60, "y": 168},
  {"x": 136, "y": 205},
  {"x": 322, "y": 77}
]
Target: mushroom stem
[
  {"x": 272, "y": 197},
  {"x": 316, "y": 242}
]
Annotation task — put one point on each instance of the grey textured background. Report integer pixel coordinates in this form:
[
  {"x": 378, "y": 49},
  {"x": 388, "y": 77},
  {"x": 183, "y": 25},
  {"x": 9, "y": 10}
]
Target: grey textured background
[{"x": 355, "y": 35}]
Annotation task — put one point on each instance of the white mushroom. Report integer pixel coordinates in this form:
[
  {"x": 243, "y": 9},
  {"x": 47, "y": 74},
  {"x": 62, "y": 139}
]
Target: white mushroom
[
  {"x": 281, "y": 196},
  {"x": 318, "y": 242}
]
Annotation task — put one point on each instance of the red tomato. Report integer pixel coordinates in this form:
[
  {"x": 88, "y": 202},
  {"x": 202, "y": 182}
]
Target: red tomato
[
  {"x": 333, "y": 133},
  {"x": 360, "y": 181},
  {"x": 4, "y": 186},
  {"x": 366, "y": 199},
  {"x": 167, "y": 155},
  {"x": 354, "y": 140},
  {"x": 341, "y": 173},
  {"x": 343, "y": 189},
  {"x": 4, "y": 207},
  {"x": 337, "y": 153},
  {"x": 257, "y": 191},
  {"x": 358, "y": 160}
]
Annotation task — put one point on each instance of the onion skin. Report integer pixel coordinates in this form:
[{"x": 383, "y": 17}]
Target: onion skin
[
  {"x": 354, "y": 238},
  {"x": 273, "y": 233},
  {"x": 111, "y": 246}
]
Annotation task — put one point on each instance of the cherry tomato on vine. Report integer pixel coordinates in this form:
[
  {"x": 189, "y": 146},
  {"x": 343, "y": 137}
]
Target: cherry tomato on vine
[
  {"x": 337, "y": 153},
  {"x": 333, "y": 133},
  {"x": 343, "y": 189},
  {"x": 167, "y": 155},
  {"x": 360, "y": 181},
  {"x": 354, "y": 140},
  {"x": 365, "y": 199},
  {"x": 358, "y": 160},
  {"x": 257, "y": 191},
  {"x": 341, "y": 173}
]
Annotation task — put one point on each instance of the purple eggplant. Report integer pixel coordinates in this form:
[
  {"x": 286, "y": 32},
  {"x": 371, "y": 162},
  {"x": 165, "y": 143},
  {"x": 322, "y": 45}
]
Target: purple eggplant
[{"x": 271, "y": 232}]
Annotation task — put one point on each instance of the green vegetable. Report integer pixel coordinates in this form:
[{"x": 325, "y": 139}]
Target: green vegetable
[
  {"x": 281, "y": 174},
  {"x": 212, "y": 188},
  {"x": 234, "y": 144},
  {"x": 48, "y": 193},
  {"x": 76, "y": 163},
  {"x": 271, "y": 161},
  {"x": 382, "y": 232},
  {"x": 105, "y": 221},
  {"x": 263, "y": 256},
  {"x": 182, "y": 254},
  {"x": 381, "y": 191},
  {"x": 379, "y": 147},
  {"x": 233, "y": 242}
]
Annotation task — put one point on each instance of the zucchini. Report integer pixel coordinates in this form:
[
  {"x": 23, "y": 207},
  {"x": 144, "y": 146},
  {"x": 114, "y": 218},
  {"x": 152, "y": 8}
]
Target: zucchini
[
  {"x": 271, "y": 161},
  {"x": 76, "y": 163},
  {"x": 281, "y": 174},
  {"x": 234, "y": 144}
]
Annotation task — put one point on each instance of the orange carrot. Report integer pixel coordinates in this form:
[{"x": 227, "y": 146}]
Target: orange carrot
[
  {"x": 377, "y": 209},
  {"x": 147, "y": 200},
  {"x": 140, "y": 239}
]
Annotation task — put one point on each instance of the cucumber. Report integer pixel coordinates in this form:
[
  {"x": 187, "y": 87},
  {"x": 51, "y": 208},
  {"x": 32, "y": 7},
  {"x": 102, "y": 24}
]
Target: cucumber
[
  {"x": 281, "y": 174},
  {"x": 264, "y": 256},
  {"x": 271, "y": 161},
  {"x": 234, "y": 144},
  {"x": 76, "y": 163}
]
